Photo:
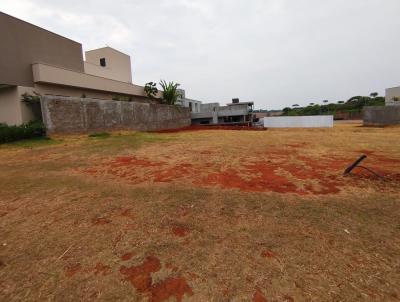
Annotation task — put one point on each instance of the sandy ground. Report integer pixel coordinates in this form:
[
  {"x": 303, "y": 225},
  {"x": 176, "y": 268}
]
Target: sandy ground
[{"x": 212, "y": 215}]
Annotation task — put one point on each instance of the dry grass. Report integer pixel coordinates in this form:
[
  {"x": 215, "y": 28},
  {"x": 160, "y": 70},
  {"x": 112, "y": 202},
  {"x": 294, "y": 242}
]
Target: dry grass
[{"x": 201, "y": 216}]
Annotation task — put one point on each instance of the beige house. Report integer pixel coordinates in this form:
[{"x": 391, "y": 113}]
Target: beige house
[{"x": 34, "y": 60}]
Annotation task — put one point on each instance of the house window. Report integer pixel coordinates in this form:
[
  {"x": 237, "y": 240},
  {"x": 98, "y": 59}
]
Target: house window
[
  {"x": 190, "y": 106},
  {"x": 103, "y": 62}
]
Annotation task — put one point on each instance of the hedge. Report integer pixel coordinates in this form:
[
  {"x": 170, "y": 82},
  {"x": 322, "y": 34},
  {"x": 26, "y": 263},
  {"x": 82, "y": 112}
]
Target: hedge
[{"x": 24, "y": 131}]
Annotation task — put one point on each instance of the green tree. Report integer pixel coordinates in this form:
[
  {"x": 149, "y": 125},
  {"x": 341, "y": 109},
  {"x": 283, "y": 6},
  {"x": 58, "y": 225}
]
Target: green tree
[{"x": 170, "y": 92}]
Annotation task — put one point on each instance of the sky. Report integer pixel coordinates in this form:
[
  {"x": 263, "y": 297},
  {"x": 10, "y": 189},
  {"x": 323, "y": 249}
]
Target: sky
[{"x": 273, "y": 52}]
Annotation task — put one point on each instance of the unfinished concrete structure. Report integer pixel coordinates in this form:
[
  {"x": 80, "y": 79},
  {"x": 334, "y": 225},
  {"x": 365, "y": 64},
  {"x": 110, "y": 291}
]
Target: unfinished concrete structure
[
  {"x": 34, "y": 60},
  {"x": 235, "y": 113},
  {"x": 193, "y": 105}
]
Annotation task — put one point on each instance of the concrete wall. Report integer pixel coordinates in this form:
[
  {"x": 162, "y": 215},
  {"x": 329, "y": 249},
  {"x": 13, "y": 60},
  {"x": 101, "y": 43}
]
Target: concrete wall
[
  {"x": 390, "y": 94},
  {"x": 208, "y": 107},
  {"x": 315, "y": 121},
  {"x": 13, "y": 111},
  {"x": 74, "y": 115},
  {"x": 233, "y": 110},
  {"x": 23, "y": 44},
  {"x": 10, "y": 112},
  {"x": 118, "y": 64},
  {"x": 381, "y": 116}
]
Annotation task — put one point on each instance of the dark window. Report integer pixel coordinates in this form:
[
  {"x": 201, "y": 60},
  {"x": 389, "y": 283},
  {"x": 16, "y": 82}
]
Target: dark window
[
  {"x": 190, "y": 106},
  {"x": 103, "y": 62}
]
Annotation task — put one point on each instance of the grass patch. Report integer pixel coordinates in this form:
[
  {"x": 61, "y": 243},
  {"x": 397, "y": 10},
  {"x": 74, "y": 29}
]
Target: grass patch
[
  {"x": 100, "y": 135},
  {"x": 32, "y": 143},
  {"x": 121, "y": 142}
]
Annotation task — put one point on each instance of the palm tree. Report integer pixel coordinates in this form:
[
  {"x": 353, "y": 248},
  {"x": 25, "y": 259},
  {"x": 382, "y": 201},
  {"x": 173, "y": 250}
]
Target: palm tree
[
  {"x": 295, "y": 105},
  {"x": 373, "y": 94},
  {"x": 325, "y": 101},
  {"x": 170, "y": 92}
]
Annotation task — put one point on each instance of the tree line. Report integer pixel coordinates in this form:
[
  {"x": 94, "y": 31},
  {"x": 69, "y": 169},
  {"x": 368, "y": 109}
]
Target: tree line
[{"x": 354, "y": 104}]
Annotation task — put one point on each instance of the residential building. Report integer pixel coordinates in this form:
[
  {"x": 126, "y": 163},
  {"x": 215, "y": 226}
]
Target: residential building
[
  {"x": 36, "y": 61},
  {"x": 212, "y": 113},
  {"x": 235, "y": 113},
  {"x": 193, "y": 105}
]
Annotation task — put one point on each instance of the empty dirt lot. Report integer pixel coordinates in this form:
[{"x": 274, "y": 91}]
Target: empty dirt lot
[{"x": 213, "y": 215}]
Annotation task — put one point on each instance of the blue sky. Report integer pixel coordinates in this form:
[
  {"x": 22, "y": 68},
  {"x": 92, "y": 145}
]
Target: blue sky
[{"x": 273, "y": 52}]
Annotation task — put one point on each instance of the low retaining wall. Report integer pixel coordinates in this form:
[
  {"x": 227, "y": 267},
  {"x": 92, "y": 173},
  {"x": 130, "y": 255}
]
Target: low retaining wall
[
  {"x": 381, "y": 115},
  {"x": 76, "y": 115},
  {"x": 314, "y": 121}
]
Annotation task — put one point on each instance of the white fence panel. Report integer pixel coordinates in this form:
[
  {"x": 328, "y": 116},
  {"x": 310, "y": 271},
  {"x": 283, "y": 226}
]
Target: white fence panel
[{"x": 315, "y": 121}]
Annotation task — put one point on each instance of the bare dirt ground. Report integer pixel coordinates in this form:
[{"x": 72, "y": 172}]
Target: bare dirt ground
[{"x": 212, "y": 215}]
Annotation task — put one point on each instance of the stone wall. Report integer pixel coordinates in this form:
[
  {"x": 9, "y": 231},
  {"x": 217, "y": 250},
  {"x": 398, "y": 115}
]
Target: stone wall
[
  {"x": 83, "y": 115},
  {"x": 381, "y": 116}
]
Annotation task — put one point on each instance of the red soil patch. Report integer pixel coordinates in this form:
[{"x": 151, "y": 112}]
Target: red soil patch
[
  {"x": 140, "y": 278},
  {"x": 199, "y": 128},
  {"x": 170, "y": 287},
  {"x": 259, "y": 297},
  {"x": 170, "y": 174},
  {"x": 72, "y": 269},
  {"x": 180, "y": 231},
  {"x": 267, "y": 181},
  {"x": 101, "y": 269},
  {"x": 281, "y": 170},
  {"x": 100, "y": 221},
  {"x": 127, "y": 256}
]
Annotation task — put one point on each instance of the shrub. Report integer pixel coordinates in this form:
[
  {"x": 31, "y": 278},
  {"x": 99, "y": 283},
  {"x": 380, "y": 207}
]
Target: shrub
[
  {"x": 151, "y": 90},
  {"x": 31, "y": 99},
  {"x": 24, "y": 131}
]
